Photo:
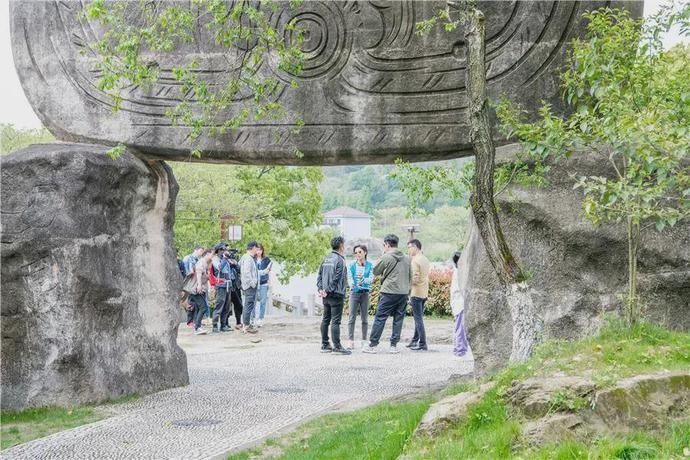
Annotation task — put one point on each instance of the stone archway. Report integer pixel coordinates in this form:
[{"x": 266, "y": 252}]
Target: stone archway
[{"x": 87, "y": 241}]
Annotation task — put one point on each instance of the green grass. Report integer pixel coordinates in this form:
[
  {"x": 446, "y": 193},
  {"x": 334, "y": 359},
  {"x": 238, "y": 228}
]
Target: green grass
[
  {"x": 492, "y": 428},
  {"x": 23, "y": 426},
  {"x": 666, "y": 445},
  {"x": 18, "y": 427},
  {"x": 616, "y": 352},
  {"x": 378, "y": 432}
]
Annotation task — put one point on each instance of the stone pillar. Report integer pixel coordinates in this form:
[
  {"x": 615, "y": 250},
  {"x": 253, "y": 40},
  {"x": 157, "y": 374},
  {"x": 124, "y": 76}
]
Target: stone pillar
[{"x": 89, "y": 277}]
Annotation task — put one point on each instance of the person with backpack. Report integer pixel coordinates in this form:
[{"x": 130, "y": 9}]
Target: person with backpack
[
  {"x": 361, "y": 275},
  {"x": 395, "y": 271},
  {"x": 219, "y": 277},
  {"x": 188, "y": 263},
  {"x": 198, "y": 299}
]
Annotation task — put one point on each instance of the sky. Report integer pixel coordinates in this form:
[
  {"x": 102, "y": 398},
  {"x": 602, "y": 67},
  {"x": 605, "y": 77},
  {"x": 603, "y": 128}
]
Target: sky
[{"x": 15, "y": 108}]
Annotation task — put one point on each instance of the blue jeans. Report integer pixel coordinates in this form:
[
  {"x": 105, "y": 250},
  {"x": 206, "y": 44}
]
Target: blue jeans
[
  {"x": 263, "y": 300},
  {"x": 389, "y": 305}
]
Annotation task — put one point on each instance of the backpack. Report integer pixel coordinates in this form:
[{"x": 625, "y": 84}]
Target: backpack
[{"x": 189, "y": 284}]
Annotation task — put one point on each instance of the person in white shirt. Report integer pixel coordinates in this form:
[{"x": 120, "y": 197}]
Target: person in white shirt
[{"x": 457, "y": 305}]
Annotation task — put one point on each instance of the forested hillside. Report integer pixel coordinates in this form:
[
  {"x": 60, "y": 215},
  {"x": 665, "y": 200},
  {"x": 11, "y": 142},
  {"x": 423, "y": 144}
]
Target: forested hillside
[{"x": 369, "y": 188}]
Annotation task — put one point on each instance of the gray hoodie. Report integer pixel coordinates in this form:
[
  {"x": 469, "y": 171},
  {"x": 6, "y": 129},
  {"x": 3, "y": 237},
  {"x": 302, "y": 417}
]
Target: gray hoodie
[{"x": 395, "y": 272}]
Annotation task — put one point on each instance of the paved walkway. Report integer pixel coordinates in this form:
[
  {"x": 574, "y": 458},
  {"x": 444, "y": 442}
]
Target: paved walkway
[{"x": 241, "y": 392}]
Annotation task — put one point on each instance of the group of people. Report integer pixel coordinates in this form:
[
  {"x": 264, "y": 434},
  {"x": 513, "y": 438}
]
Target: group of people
[
  {"x": 403, "y": 278},
  {"x": 241, "y": 285}
]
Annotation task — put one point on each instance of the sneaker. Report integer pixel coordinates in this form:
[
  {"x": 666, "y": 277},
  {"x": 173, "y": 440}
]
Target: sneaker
[
  {"x": 341, "y": 351},
  {"x": 190, "y": 324},
  {"x": 393, "y": 350},
  {"x": 226, "y": 329},
  {"x": 351, "y": 345},
  {"x": 326, "y": 349},
  {"x": 250, "y": 330},
  {"x": 259, "y": 322},
  {"x": 420, "y": 348},
  {"x": 411, "y": 344},
  {"x": 369, "y": 349},
  {"x": 200, "y": 331}
]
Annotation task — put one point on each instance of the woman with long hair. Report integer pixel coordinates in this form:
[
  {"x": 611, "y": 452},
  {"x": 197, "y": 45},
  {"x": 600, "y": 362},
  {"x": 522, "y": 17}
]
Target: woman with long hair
[
  {"x": 457, "y": 305},
  {"x": 264, "y": 264},
  {"x": 361, "y": 274}
]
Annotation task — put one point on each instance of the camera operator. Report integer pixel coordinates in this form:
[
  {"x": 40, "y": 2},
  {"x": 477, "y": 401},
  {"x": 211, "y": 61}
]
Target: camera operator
[
  {"x": 235, "y": 289},
  {"x": 220, "y": 278}
]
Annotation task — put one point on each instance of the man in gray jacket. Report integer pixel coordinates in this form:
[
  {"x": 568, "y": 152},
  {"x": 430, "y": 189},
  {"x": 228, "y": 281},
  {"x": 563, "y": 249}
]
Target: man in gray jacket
[
  {"x": 396, "y": 279},
  {"x": 249, "y": 276},
  {"x": 332, "y": 282}
]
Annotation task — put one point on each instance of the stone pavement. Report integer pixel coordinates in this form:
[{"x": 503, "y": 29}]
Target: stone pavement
[{"x": 241, "y": 392}]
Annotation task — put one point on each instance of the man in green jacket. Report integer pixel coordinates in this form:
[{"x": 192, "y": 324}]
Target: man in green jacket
[{"x": 396, "y": 279}]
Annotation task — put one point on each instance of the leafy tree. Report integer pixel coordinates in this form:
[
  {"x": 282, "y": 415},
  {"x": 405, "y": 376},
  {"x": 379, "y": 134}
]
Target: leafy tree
[
  {"x": 631, "y": 106},
  {"x": 278, "y": 206},
  {"x": 12, "y": 138},
  {"x": 133, "y": 29}
]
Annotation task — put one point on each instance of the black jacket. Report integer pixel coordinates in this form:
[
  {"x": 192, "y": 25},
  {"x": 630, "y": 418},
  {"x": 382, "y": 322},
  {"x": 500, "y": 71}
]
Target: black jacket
[{"x": 333, "y": 275}]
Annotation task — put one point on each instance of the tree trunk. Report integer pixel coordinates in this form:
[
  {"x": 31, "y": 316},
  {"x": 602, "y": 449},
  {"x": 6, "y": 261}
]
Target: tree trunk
[
  {"x": 482, "y": 199},
  {"x": 632, "y": 307},
  {"x": 527, "y": 324}
]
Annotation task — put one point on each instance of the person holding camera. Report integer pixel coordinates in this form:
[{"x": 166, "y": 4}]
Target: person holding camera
[{"x": 220, "y": 277}]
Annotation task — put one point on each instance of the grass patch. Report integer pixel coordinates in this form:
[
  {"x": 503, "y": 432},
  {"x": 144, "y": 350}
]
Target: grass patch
[
  {"x": 488, "y": 432},
  {"x": 377, "y": 432},
  {"x": 21, "y": 426},
  {"x": 667, "y": 444},
  {"x": 18, "y": 427},
  {"x": 491, "y": 430},
  {"x": 616, "y": 352}
]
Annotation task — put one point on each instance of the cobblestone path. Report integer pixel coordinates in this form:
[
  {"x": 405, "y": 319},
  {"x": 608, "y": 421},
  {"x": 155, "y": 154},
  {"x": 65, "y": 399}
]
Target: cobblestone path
[{"x": 241, "y": 392}]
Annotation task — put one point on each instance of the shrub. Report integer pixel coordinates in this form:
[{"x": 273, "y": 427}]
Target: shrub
[{"x": 438, "y": 302}]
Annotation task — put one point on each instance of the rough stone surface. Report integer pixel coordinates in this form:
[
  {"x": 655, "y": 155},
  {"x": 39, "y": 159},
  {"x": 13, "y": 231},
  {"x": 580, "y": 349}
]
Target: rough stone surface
[
  {"x": 88, "y": 277},
  {"x": 372, "y": 90},
  {"x": 579, "y": 272},
  {"x": 643, "y": 402},
  {"x": 450, "y": 410},
  {"x": 534, "y": 396},
  {"x": 240, "y": 393}
]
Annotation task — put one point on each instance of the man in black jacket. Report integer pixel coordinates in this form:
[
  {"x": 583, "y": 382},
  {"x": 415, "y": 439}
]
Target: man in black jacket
[{"x": 332, "y": 282}]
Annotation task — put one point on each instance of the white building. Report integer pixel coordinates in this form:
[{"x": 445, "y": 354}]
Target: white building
[{"x": 349, "y": 223}]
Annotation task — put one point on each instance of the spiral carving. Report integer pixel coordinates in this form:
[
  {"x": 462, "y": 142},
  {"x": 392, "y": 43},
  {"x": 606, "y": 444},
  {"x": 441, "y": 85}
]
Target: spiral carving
[{"x": 326, "y": 41}]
